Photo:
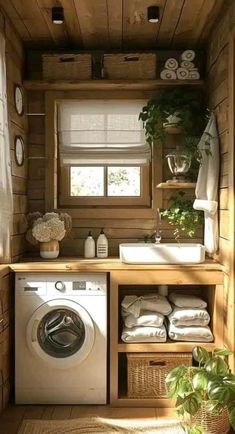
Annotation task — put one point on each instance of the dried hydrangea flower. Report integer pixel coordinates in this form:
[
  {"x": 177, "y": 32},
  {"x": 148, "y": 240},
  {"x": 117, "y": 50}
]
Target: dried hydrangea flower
[
  {"x": 57, "y": 229},
  {"x": 50, "y": 215},
  {"x": 41, "y": 232}
]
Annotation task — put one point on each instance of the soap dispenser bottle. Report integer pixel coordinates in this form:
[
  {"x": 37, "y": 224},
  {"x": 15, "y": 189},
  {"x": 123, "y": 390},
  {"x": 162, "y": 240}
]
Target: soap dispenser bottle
[
  {"x": 89, "y": 246},
  {"x": 102, "y": 245}
]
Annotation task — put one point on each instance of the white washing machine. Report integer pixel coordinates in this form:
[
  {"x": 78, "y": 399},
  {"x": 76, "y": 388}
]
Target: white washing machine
[{"x": 61, "y": 338}]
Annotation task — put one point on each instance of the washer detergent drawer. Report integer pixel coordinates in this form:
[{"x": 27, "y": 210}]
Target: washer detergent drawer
[{"x": 30, "y": 284}]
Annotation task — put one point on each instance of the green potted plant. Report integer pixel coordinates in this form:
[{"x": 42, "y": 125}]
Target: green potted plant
[
  {"x": 182, "y": 216},
  {"x": 205, "y": 394}
]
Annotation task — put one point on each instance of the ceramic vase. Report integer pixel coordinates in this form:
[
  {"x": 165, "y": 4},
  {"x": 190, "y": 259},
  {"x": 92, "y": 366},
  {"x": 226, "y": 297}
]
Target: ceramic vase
[{"x": 49, "y": 250}]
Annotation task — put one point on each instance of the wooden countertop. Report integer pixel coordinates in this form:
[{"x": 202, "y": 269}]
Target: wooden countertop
[{"x": 96, "y": 265}]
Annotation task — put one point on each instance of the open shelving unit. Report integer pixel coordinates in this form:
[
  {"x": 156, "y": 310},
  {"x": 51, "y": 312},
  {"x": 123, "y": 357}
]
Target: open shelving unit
[
  {"x": 176, "y": 185},
  {"x": 206, "y": 283}
]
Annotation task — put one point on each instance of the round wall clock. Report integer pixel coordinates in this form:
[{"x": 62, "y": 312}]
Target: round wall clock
[
  {"x": 19, "y": 99},
  {"x": 19, "y": 151}
]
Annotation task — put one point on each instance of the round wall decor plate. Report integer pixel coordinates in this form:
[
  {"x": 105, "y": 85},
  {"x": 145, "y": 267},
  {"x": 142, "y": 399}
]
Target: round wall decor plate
[
  {"x": 19, "y": 99},
  {"x": 19, "y": 151}
]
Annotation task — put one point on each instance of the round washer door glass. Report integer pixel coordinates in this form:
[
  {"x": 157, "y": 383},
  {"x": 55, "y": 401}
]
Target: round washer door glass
[{"x": 61, "y": 332}]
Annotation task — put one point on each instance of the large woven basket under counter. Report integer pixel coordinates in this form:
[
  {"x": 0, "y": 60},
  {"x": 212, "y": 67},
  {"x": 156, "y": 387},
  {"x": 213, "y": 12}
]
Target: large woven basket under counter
[
  {"x": 210, "y": 422},
  {"x": 146, "y": 372},
  {"x": 130, "y": 66},
  {"x": 67, "y": 66}
]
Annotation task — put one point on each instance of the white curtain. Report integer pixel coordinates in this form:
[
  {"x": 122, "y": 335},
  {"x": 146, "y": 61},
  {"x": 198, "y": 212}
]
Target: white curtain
[
  {"x": 101, "y": 132},
  {"x": 6, "y": 198}
]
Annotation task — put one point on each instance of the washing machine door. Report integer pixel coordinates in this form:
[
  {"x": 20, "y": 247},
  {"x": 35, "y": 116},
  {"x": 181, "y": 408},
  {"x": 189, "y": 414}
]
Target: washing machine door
[{"x": 61, "y": 332}]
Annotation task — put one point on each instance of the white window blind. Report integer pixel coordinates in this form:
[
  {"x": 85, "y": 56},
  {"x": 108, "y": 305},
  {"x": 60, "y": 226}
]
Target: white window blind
[{"x": 101, "y": 132}]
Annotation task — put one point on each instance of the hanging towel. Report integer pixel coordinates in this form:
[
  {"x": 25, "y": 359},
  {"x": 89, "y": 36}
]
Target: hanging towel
[
  {"x": 194, "y": 334},
  {"x": 144, "y": 334},
  {"x": 182, "y": 316},
  {"x": 187, "y": 300},
  {"x": 146, "y": 318},
  {"x": 188, "y": 55},
  {"x": 153, "y": 302},
  {"x": 171, "y": 63},
  {"x": 207, "y": 185},
  {"x": 168, "y": 74}
]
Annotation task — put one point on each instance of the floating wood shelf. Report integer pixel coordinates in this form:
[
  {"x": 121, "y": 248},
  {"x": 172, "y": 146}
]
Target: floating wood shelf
[
  {"x": 165, "y": 347},
  {"x": 108, "y": 84},
  {"x": 176, "y": 185}
]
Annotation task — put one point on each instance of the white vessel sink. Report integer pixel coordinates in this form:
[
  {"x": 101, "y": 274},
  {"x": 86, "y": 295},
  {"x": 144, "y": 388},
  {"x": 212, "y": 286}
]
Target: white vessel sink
[{"x": 172, "y": 253}]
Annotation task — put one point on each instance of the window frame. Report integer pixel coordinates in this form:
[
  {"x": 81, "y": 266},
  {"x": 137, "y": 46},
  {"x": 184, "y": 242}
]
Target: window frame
[{"x": 111, "y": 210}]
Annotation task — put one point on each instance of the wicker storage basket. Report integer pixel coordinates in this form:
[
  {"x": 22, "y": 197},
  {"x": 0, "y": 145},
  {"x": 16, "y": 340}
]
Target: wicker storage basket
[
  {"x": 210, "y": 422},
  {"x": 130, "y": 66},
  {"x": 67, "y": 66},
  {"x": 146, "y": 372}
]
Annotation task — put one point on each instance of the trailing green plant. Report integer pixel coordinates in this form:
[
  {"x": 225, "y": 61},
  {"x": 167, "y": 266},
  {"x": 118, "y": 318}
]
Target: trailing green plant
[
  {"x": 188, "y": 104},
  {"x": 182, "y": 216},
  {"x": 209, "y": 384}
]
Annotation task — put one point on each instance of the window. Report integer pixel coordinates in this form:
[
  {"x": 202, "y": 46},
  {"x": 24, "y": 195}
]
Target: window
[{"x": 103, "y": 159}]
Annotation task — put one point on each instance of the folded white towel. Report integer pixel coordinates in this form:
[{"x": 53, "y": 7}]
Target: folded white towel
[
  {"x": 171, "y": 63},
  {"x": 146, "y": 318},
  {"x": 144, "y": 334},
  {"x": 188, "y": 55},
  {"x": 153, "y": 302},
  {"x": 168, "y": 74},
  {"x": 188, "y": 65},
  {"x": 194, "y": 75},
  {"x": 182, "y": 73},
  {"x": 206, "y": 205},
  {"x": 182, "y": 316},
  {"x": 193, "y": 333},
  {"x": 187, "y": 300}
]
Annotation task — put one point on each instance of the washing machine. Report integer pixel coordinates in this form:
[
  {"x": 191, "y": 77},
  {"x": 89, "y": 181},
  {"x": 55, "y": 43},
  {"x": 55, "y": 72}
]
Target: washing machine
[{"x": 61, "y": 338}]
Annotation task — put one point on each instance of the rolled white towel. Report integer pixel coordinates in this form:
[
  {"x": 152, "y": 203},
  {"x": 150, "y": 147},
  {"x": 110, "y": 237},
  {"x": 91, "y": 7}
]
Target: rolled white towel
[
  {"x": 144, "y": 334},
  {"x": 188, "y": 55},
  {"x": 209, "y": 206},
  {"x": 187, "y": 65},
  {"x": 153, "y": 302},
  {"x": 167, "y": 74},
  {"x": 171, "y": 63},
  {"x": 194, "y": 75},
  {"x": 187, "y": 300},
  {"x": 146, "y": 318},
  {"x": 193, "y": 333},
  {"x": 182, "y": 73},
  {"x": 182, "y": 316}
]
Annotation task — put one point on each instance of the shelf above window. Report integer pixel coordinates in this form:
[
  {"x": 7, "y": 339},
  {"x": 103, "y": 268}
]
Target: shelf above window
[
  {"x": 176, "y": 185},
  {"x": 108, "y": 84}
]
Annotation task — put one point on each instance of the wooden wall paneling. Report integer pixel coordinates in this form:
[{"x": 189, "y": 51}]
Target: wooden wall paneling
[
  {"x": 58, "y": 32},
  {"x": 115, "y": 23},
  {"x": 72, "y": 23},
  {"x": 172, "y": 12},
  {"x": 9, "y": 9},
  {"x": 186, "y": 25}
]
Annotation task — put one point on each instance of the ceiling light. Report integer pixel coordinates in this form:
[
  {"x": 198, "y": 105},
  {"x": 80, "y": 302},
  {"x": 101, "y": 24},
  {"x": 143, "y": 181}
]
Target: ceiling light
[
  {"x": 57, "y": 15},
  {"x": 153, "y": 14}
]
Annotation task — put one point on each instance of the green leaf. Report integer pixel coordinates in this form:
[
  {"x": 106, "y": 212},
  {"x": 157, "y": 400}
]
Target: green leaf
[
  {"x": 200, "y": 381},
  {"x": 221, "y": 394},
  {"x": 176, "y": 373},
  {"x": 200, "y": 354},
  {"x": 222, "y": 352},
  {"x": 232, "y": 417},
  {"x": 216, "y": 366},
  {"x": 190, "y": 404}
]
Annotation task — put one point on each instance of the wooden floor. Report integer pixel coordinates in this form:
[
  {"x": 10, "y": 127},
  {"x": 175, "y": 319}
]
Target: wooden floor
[{"x": 13, "y": 415}]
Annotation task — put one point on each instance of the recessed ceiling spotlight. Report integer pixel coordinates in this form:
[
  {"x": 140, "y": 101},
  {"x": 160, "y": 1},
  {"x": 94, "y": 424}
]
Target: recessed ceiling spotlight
[
  {"x": 153, "y": 14},
  {"x": 57, "y": 15}
]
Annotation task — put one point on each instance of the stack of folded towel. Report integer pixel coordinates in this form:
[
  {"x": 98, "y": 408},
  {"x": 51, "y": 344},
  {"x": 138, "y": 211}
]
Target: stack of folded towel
[
  {"x": 143, "y": 318},
  {"x": 189, "y": 319}
]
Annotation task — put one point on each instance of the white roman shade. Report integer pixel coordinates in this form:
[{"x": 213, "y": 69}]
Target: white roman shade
[{"x": 101, "y": 132}]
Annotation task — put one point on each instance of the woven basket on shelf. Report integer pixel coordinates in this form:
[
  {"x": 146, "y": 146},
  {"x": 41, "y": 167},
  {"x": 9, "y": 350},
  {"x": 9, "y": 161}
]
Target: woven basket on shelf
[
  {"x": 146, "y": 372},
  {"x": 210, "y": 422},
  {"x": 130, "y": 66},
  {"x": 67, "y": 66}
]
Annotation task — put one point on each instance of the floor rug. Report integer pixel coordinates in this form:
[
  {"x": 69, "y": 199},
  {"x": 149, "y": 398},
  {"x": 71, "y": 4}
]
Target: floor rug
[{"x": 100, "y": 426}]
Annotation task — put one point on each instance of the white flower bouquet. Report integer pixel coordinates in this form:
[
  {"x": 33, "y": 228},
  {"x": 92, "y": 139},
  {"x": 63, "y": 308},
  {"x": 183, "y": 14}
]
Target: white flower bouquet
[{"x": 48, "y": 227}]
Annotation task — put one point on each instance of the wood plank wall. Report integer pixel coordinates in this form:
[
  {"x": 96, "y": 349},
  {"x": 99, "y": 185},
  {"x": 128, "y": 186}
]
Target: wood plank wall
[
  {"x": 118, "y": 229},
  {"x": 6, "y": 337},
  {"x": 218, "y": 93},
  {"x": 17, "y": 126}
]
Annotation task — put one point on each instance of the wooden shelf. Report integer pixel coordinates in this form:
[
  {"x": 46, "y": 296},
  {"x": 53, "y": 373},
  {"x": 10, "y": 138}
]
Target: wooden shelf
[
  {"x": 166, "y": 347},
  {"x": 176, "y": 185},
  {"x": 108, "y": 84},
  {"x": 124, "y": 401}
]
